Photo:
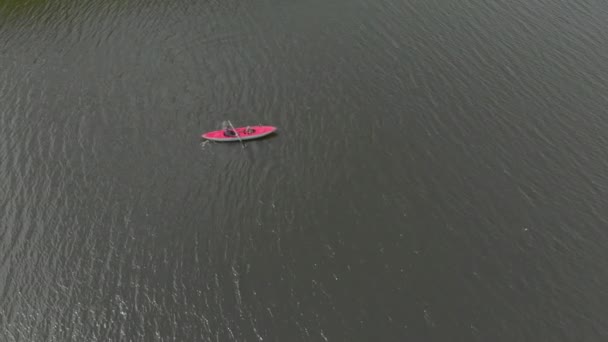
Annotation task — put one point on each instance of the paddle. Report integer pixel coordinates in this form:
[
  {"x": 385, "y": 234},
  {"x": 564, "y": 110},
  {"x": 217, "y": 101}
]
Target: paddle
[{"x": 237, "y": 133}]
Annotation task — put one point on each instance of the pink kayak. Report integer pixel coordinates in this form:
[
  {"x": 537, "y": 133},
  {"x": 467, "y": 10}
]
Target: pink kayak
[{"x": 244, "y": 133}]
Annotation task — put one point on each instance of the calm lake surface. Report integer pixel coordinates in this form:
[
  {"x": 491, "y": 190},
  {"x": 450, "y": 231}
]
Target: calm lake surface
[{"x": 440, "y": 172}]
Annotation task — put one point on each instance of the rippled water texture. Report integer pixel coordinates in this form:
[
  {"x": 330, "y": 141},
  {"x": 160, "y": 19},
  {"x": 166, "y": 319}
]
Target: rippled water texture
[{"x": 440, "y": 171}]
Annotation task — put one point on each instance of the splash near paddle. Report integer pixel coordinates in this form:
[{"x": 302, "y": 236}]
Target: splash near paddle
[{"x": 239, "y": 133}]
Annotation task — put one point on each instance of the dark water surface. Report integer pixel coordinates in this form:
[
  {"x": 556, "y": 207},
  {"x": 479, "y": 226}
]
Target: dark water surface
[{"x": 441, "y": 171}]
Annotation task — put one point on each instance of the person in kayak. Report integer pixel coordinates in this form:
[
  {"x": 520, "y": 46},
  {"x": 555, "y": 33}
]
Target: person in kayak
[
  {"x": 229, "y": 133},
  {"x": 249, "y": 130}
]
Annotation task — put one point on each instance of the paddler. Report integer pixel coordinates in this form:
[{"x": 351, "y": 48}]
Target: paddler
[{"x": 228, "y": 132}]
